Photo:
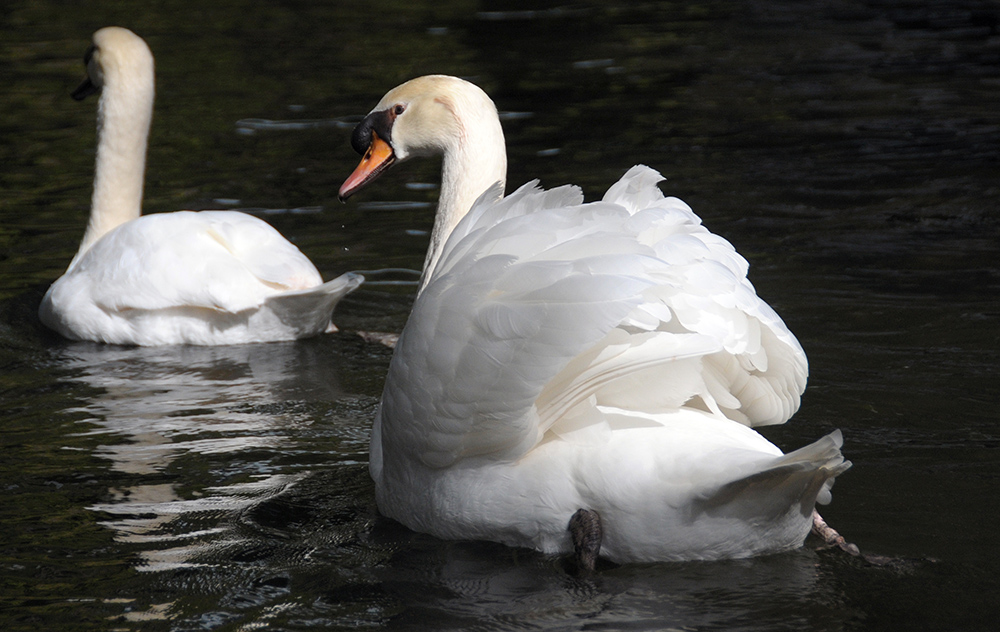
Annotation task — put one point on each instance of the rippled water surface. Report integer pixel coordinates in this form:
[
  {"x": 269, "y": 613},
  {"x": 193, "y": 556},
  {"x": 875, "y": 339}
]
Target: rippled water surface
[{"x": 849, "y": 150}]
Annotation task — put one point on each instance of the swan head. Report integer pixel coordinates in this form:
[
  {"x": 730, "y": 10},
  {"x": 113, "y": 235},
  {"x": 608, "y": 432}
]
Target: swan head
[
  {"x": 116, "y": 52},
  {"x": 434, "y": 114}
]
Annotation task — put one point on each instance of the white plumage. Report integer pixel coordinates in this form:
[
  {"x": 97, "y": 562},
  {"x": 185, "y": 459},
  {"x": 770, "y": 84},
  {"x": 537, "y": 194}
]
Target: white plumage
[
  {"x": 609, "y": 356},
  {"x": 207, "y": 278}
]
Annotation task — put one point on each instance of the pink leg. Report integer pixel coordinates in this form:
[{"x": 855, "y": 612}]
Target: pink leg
[{"x": 830, "y": 535}]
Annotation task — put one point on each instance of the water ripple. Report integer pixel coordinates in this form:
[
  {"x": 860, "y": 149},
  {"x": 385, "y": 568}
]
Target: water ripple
[{"x": 253, "y": 125}]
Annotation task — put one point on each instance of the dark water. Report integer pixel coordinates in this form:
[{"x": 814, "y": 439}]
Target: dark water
[{"x": 849, "y": 150}]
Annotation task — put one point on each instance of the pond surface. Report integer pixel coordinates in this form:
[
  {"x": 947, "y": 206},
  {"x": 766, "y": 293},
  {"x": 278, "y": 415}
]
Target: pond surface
[{"x": 850, "y": 150}]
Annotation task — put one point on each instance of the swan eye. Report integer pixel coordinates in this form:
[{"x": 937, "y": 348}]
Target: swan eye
[{"x": 399, "y": 109}]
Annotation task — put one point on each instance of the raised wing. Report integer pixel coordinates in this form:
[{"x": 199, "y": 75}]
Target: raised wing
[{"x": 542, "y": 309}]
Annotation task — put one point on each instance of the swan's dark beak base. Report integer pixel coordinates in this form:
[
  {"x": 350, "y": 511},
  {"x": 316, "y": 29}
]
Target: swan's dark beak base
[
  {"x": 84, "y": 90},
  {"x": 88, "y": 87},
  {"x": 376, "y": 160}
]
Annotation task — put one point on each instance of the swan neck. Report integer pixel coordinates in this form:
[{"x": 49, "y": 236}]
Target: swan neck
[
  {"x": 124, "y": 115},
  {"x": 477, "y": 163}
]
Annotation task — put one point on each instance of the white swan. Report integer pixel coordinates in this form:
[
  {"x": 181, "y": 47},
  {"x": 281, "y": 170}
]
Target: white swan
[
  {"x": 581, "y": 376},
  {"x": 208, "y": 278}
]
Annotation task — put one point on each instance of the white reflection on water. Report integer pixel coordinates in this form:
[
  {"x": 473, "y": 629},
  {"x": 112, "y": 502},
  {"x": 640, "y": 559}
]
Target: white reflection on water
[
  {"x": 157, "y": 405},
  {"x": 146, "y": 515}
]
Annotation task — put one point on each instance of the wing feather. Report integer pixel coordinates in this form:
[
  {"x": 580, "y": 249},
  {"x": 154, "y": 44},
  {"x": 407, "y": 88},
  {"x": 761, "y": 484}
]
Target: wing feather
[
  {"x": 219, "y": 260},
  {"x": 543, "y": 308}
]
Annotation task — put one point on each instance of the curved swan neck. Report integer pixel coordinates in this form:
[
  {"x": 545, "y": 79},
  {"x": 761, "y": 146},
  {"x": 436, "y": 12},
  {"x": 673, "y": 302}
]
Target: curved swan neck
[
  {"x": 473, "y": 163},
  {"x": 124, "y": 115}
]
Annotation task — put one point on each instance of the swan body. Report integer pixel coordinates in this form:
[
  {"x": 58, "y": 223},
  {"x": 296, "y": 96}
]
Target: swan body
[
  {"x": 206, "y": 278},
  {"x": 609, "y": 356}
]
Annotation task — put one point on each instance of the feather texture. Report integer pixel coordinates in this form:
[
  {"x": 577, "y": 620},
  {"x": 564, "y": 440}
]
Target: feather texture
[{"x": 212, "y": 277}]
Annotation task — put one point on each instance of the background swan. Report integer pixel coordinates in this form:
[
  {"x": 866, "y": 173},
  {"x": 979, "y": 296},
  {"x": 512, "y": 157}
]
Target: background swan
[
  {"x": 212, "y": 277},
  {"x": 580, "y": 376}
]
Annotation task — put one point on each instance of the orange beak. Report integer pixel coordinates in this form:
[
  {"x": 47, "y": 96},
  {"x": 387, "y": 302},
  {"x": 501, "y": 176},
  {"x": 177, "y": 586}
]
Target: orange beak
[{"x": 377, "y": 159}]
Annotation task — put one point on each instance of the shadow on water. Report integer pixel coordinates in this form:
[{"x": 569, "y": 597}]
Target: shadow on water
[{"x": 847, "y": 149}]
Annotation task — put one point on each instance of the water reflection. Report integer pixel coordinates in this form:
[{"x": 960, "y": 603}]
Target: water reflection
[{"x": 156, "y": 406}]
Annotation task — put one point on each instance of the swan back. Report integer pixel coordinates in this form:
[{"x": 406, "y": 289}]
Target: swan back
[
  {"x": 543, "y": 310},
  {"x": 609, "y": 355},
  {"x": 120, "y": 65}
]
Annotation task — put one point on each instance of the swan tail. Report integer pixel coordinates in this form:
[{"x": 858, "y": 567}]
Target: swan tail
[
  {"x": 310, "y": 311},
  {"x": 342, "y": 285},
  {"x": 799, "y": 479}
]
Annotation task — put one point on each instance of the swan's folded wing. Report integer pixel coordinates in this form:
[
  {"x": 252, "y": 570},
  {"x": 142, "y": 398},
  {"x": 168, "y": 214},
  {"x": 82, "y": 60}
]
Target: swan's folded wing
[
  {"x": 498, "y": 319},
  {"x": 262, "y": 250},
  {"x": 538, "y": 312},
  {"x": 759, "y": 373},
  {"x": 218, "y": 260}
]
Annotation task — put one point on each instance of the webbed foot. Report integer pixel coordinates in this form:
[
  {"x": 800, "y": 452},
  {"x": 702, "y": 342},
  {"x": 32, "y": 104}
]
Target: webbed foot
[
  {"x": 830, "y": 535},
  {"x": 585, "y": 528}
]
